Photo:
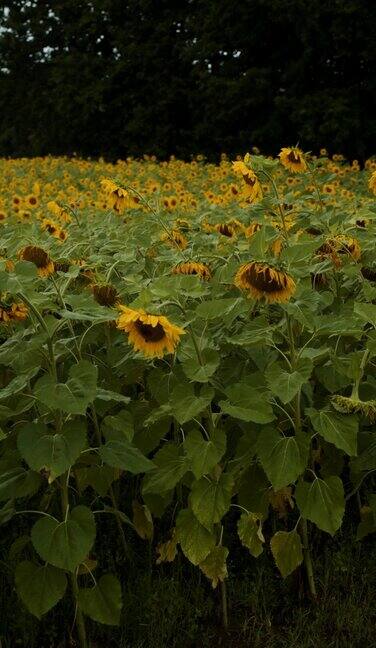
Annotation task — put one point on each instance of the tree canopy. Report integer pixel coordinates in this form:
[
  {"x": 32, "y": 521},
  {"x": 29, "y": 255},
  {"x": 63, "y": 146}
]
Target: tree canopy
[{"x": 133, "y": 77}]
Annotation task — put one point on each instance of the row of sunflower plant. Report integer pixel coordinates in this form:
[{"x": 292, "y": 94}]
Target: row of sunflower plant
[{"x": 210, "y": 354}]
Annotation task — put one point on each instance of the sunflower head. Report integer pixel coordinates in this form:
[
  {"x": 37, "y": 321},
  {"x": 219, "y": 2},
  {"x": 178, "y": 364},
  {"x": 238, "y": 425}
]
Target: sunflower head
[
  {"x": 105, "y": 294},
  {"x": 39, "y": 257},
  {"x": 175, "y": 238},
  {"x": 292, "y": 158},
  {"x": 193, "y": 268},
  {"x": 153, "y": 335},
  {"x": 350, "y": 405},
  {"x": 225, "y": 229},
  {"x": 261, "y": 280},
  {"x": 372, "y": 183},
  {"x": 252, "y": 229}
]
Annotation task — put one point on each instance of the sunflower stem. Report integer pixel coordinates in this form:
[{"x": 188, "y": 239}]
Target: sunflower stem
[
  {"x": 280, "y": 207},
  {"x": 303, "y": 531}
]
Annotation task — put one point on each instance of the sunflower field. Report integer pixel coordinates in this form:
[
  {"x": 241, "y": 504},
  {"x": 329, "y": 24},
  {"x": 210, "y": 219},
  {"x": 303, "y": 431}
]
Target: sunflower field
[{"x": 188, "y": 355}]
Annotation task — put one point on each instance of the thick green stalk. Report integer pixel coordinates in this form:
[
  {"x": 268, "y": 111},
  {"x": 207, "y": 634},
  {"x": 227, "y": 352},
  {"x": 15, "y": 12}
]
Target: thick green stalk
[{"x": 303, "y": 531}]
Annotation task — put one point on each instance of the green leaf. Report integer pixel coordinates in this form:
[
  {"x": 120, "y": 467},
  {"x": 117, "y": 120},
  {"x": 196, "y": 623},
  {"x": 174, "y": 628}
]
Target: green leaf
[
  {"x": 99, "y": 478},
  {"x": 186, "y": 405},
  {"x": 204, "y": 455},
  {"x": 287, "y": 384},
  {"x": 248, "y": 404},
  {"x": 214, "y": 566},
  {"x": 367, "y": 312},
  {"x": 19, "y": 382},
  {"x": 120, "y": 453},
  {"x": 73, "y": 396},
  {"x": 210, "y": 499},
  {"x": 287, "y": 551},
  {"x": 250, "y": 533},
  {"x": 18, "y": 482},
  {"x": 282, "y": 458},
  {"x": 103, "y": 601},
  {"x": 171, "y": 467},
  {"x": 107, "y": 395},
  {"x": 65, "y": 544},
  {"x": 219, "y": 308},
  {"x": 201, "y": 370},
  {"x": 42, "y": 449},
  {"x": 7, "y": 512},
  {"x": 339, "y": 429},
  {"x": 40, "y": 587},
  {"x": 322, "y": 502},
  {"x": 253, "y": 491},
  {"x": 195, "y": 540}
]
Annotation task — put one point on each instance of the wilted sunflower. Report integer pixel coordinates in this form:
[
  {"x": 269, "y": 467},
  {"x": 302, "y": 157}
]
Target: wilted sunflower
[
  {"x": 293, "y": 159},
  {"x": 105, "y": 294},
  {"x": 252, "y": 191},
  {"x": 117, "y": 196},
  {"x": 153, "y": 335},
  {"x": 18, "y": 311},
  {"x": 39, "y": 257},
  {"x": 350, "y": 405},
  {"x": 225, "y": 229},
  {"x": 261, "y": 280},
  {"x": 372, "y": 183},
  {"x": 339, "y": 246},
  {"x": 192, "y": 268},
  {"x": 252, "y": 229},
  {"x": 175, "y": 238}
]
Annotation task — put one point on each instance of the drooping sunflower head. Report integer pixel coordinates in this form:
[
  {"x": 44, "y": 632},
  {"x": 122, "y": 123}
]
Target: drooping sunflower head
[
  {"x": 117, "y": 196},
  {"x": 193, "y": 268},
  {"x": 153, "y": 335},
  {"x": 339, "y": 246},
  {"x": 18, "y": 311},
  {"x": 105, "y": 294},
  {"x": 292, "y": 158},
  {"x": 252, "y": 190},
  {"x": 39, "y": 257},
  {"x": 350, "y": 405},
  {"x": 252, "y": 229},
  {"x": 175, "y": 238},
  {"x": 261, "y": 280}
]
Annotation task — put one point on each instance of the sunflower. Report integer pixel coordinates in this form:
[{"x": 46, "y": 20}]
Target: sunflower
[
  {"x": 293, "y": 159},
  {"x": 152, "y": 335},
  {"x": 225, "y": 229},
  {"x": 252, "y": 229},
  {"x": 118, "y": 197},
  {"x": 175, "y": 238},
  {"x": 252, "y": 191},
  {"x": 31, "y": 201},
  {"x": 39, "y": 257},
  {"x": 372, "y": 183},
  {"x": 192, "y": 268},
  {"x": 18, "y": 311},
  {"x": 105, "y": 294},
  {"x": 350, "y": 405},
  {"x": 261, "y": 280},
  {"x": 340, "y": 246}
]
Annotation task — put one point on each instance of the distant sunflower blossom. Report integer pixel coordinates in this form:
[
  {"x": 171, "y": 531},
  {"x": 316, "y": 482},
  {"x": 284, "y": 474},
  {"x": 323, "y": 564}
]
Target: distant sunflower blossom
[
  {"x": 293, "y": 159},
  {"x": 105, "y": 294},
  {"x": 263, "y": 281},
  {"x": 372, "y": 183},
  {"x": 193, "y": 268},
  {"x": 153, "y": 335},
  {"x": 39, "y": 257}
]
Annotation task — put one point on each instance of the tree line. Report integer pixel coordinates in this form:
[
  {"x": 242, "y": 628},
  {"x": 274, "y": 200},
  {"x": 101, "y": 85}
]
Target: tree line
[{"x": 120, "y": 78}]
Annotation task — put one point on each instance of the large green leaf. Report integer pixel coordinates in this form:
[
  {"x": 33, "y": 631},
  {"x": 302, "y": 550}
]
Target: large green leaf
[
  {"x": 287, "y": 551},
  {"x": 73, "y": 396},
  {"x": 195, "y": 540},
  {"x": 185, "y": 405},
  {"x": 214, "y": 566},
  {"x": 17, "y": 383},
  {"x": 286, "y": 384},
  {"x": 40, "y": 587},
  {"x": 18, "y": 482},
  {"x": 204, "y": 455},
  {"x": 200, "y": 369},
  {"x": 322, "y": 501},
  {"x": 43, "y": 449},
  {"x": 247, "y": 404},
  {"x": 171, "y": 467},
  {"x": 250, "y": 533},
  {"x": 103, "y": 601},
  {"x": 120, "y": 453},
  {"x": 210, "y": 498},
  {"x": 65, "y": 544},
  {"x": 282, "y": 458},
  {"x": 339, "y": 429}
]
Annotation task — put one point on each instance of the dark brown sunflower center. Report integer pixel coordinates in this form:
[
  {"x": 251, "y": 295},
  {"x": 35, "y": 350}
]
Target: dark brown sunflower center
[
  {"x": 226, "y": 230},
  {"x": 249, "y": 180},
  {"x": 51, "y": 229},
  {"x": 264, "y": 280},
  {"x": 293, "y": 157},
  {"x": 150, "y": 333},
  {"x": 36, "y": 255},
  {"x": 105, "y": 295}
]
